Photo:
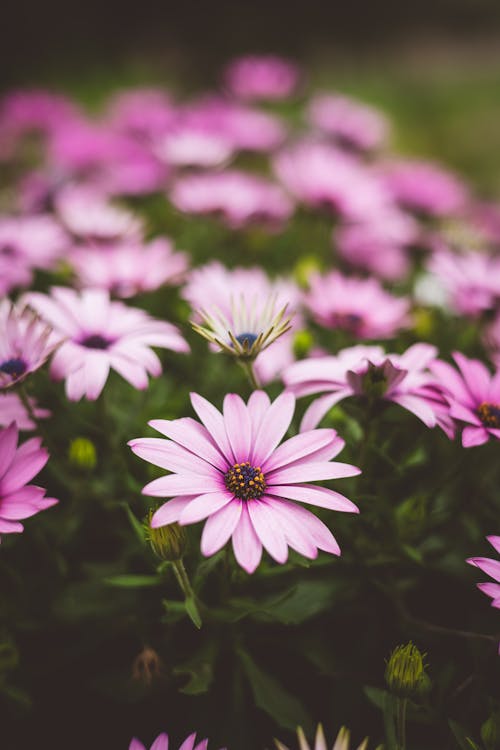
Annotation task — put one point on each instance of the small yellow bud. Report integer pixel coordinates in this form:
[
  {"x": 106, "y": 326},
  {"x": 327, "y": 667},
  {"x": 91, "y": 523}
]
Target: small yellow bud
[
  {"x": 167, "y": 542},
  {"x": 423, "y": 322},
  {"x": 304, "y": 267},
  {"x": 405, "y": 672},
  {"x": 82, "y": 453},
  {"x": 302, "y": 343}
]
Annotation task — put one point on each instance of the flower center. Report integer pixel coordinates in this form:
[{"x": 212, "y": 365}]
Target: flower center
[
  {"x": 8, "y": 250},
  {"x": 245, "y": 481},
  {"x": 14, "y": 367},
  {"x": 246, "y": 339},
  {"x": 95, "y": 341},
  {"x": 348, "y": 321},
  {"x": 489, "y": 414}
]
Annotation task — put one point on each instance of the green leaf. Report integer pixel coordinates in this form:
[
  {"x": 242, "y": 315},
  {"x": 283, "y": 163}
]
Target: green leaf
[
  {"x": 134, "y": 522},
  {"x": 132, "y": 581},
  {"x": 199, "y": 670},
  {"x": 376, "y": 696},
  {"x": 271, "y": 697},
  {"x": 193, "y": 612},
  {"x": 464, "y": 742}
]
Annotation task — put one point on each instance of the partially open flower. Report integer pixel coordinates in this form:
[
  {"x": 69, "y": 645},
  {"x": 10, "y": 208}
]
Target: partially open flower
[
  {"x": 405, "y": 672},
  {"x": 341, "y": 743}
]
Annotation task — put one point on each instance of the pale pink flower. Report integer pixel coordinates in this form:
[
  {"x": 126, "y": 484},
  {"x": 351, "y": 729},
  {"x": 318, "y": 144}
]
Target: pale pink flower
[
  {"x": 379, "y": 245},
  {"x": 15, "y": 271},
  {"x": 359, "y": 306},
  {"x": 26, "y": 343},
  {"x": 241, "y": 198},
  {"x": 369, "y": 372},
  {"x": 470, "y": 281},
  {"x": 162, "y": 743},
  {"x": 216, "y": 288},
  {"x": 424, "y": 187},
  {"x": 18, "y": 465},
  {"x": 343, "y": 741},
  {"x": 12, "y": 409},
  {"x": 129, "y": 268},
  {"x": 325, "y": 177},
  {"x": 145, "y": 113},
  {"x": 89, "y": 215},
  {"x": 492, "y": 569},
  {"x": 39, "y": 241},
  {"x": 349, "y": 122},
  {"x": 100, "y": 334},
  {"x": 261, "y": 77},
  {"x": 473, "y": 395},
  {"x": 230, "y": 471},
  {"x": 193, "y": 147}
]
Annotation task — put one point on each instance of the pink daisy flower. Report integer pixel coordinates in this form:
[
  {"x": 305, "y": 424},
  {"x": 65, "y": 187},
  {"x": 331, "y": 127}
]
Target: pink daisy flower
[
  {"x": 130, "y": 268},
  {"x": 145, "y": 113},
  {"x": 18, "y": 465},
  {"x": 325, "y": 177},
  {"x": 25, "y": 343},
  {"x": 239, "y": 197},
  {"x": 12, "y": 409},
  {"x": 162, "y": 743},
  {"x": 360, "y": 306},
  {"x": 193, "y": 147},
  {"x": 492, "y": 569},
  {"x": 89, "y": 215},
  {"x": 471, "y": 281},
  {"x": 369, "y": 372},
  {"x": 424, "y": 187},
  {"x": 100, "y": 335},
  {"x": 473, "y": 395},
  {"x": 38, "y": 241},
  {"x": 349, "y": 122},
  {"x": 230, "y": 470},
  {"x": 240, "y": 297},
  {"x": 261, "y": 77},
  {"x": 343, "y": 741}
]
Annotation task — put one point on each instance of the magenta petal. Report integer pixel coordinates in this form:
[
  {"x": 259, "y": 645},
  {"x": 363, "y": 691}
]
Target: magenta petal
[
  {"x": 490, "y": 589},
  {"x": 488, "y": 566},
  {"x": 298, "y": 447},
  {"x": 169, "y": 512},
  {"x": 204, "y": 505},
  {"x": 238, "y": 426},
  {"x": 24, "y": 467},
  {"x": 191, "y": 435},
  {"x": 494, "y": 541},
  {"x": 160, "y": 743},
  {"x": 169, "y": 455},
  {"x": 464, "y": 413},
  {"x": 311, "y": 472},
  {"x": 472, "y": 436},
  {"x": 268, "y": 528},
  {"x": 295, "y": 532},
  {"x": 214, "y": 423},
  {"x": 188, "y": 743},
  {"x": 10, "y": 527},
  {"x": 219, "y": 528},
  {"x": 274, "y": 425},
  {"x": 247, "y": 547},
  {"x": 8, "y": 443},
  {"x": 319, "y": 533},
  {"x": 417, "y": 406},
  {"x": 258, "y": 404},
  {"x": 182, "y": 484},
  {"x": 313, "y": 495},
  {"x": 321, "y": 406}
]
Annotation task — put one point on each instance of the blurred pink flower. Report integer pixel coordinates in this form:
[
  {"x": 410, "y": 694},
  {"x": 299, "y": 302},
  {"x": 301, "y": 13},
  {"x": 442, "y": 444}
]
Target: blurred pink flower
[
  {"x": 492, "y": 569},
  {"x": 15, "y": 271},
  {"x": 360, "y": 306},
  {"x": 424, "y": 187},
  {"x": 12, "y": 409},
  {"x": 473, "y": 395},
  {"x": 25, "y": 343},
  {"x": 129, "y": 268},
  {"x": 18, "y": 465},
  {"x": 214, "y": 287},
  {"x": 99, "y": 335},
  {"x": 193, "y": 147},
  {"x": 349, "y": 122},
  {"x": 162, "y": 743},
  {"x": 379, "y": 245},
  {"x": 89, "y": 215},
  {"x": 38, "y": 240},
  {"x": 471, "y": 281},
  {"x": 230, "y": 471},
  {"x": 325, "y": 177},
  {"x": 261, "y": 77},
  {"x": 145, "y": 113},
  {"x": 368, "y": 371},
  {"x": 240, "y": 197}
]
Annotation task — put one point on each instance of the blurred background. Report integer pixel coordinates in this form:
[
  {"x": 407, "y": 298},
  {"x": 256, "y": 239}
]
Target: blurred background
[{"x": 434, "y": 64}]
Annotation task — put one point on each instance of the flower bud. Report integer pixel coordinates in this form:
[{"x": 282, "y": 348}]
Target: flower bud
[
  {"x": 302, "y": 343},
  {"x": 405, "y": 672},
  {"x": 490, "y": 732},
  {"x": 167, "y": 542},
  {"x": 82, "y": 453}
]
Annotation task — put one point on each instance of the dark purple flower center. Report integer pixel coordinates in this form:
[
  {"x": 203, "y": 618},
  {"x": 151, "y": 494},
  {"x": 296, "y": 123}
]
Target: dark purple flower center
[
  {"x": 348, "y": 321},
  {"x": 246, "y": 339},
  {"x": 245, "y": 481},
  {"x": 95, "y": 341},
  {"x": 14, "y": 367},
  {"x": 8, "y": 250},
  {"x": 489, "y": 414}
]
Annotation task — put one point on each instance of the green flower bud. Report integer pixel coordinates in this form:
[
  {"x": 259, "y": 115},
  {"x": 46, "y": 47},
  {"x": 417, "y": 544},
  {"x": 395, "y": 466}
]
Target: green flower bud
[
  {"x": 82, "y": 453},
  {"x": 306, "y": 266},
  {"x": 490, "y": 732},
  {"x": 405, "y": 672},
  {"x": 302, "y": 343},
  {"x": 167, "y": 542}
]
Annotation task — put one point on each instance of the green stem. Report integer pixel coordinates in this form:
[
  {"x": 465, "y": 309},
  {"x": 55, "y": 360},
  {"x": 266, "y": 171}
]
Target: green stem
[
  {"x": 187, "y": 589},
  {"x": 250, "y": 373},
  {"x": 401, "y": 705}
]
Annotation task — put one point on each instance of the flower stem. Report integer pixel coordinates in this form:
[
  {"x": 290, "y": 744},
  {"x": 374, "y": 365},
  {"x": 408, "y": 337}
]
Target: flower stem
[
  {"x": 401, "y": 705},
  {"x": 250, "y": 373},
  {"x": 187, "y": 589}
]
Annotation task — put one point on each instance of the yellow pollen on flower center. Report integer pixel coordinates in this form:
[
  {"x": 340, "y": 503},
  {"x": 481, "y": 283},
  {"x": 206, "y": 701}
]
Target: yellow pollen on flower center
[
  {"x": 246, "y": 482},
  {"x": 489, "y": 414}
]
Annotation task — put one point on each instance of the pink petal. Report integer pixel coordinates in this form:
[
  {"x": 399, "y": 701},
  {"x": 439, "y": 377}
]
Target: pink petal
[
  {"x": 490, "y": 589},
  {"x": 160, "y": 743},
  {"x": 318, "y": 531},
  {"x": 494, "y": 541},
  {"x": 182, "y": 484},
  {"x": 219, "y": 527},
  {"x": 188, "y": 743},
  {"x": 417, "y": 406},
  {"x": 238, "y": 426},
  {"x": 8, "y": 444},
  {"x": 268, "y": 528},
  {"x": 317, "y": 410},
  {"x": 170, "y": 512},
  {"x": 169, "y": 455},
  {"x": 490, "y": 567},
  {"x": 191, "y": 435},
  {"x": 472, "y": 436},
  {"x": 311, "y": 472},
  {"x": 274, "y": 425},
  {"x": 464, "y": 413},
  {"x": 476, "y": 375},
  {"x": 298, "y": 447},
  {"x": 312, "y": 495},
  {"x": 24, "y": 467},
  {"x": 204, "y": 505},
  {"x": 247, "y": 547},
  {"x": 258, "y": 404},
  {"x": 295, "y": 533},
  {"x": 214, "y": 423},
  {"x": 10, "y": 527}
]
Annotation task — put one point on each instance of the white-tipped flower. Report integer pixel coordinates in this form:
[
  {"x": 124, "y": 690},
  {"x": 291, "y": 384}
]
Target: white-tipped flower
[
  {"x": 341, "y": 743},
  {"x": 247, "y": 329}
]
